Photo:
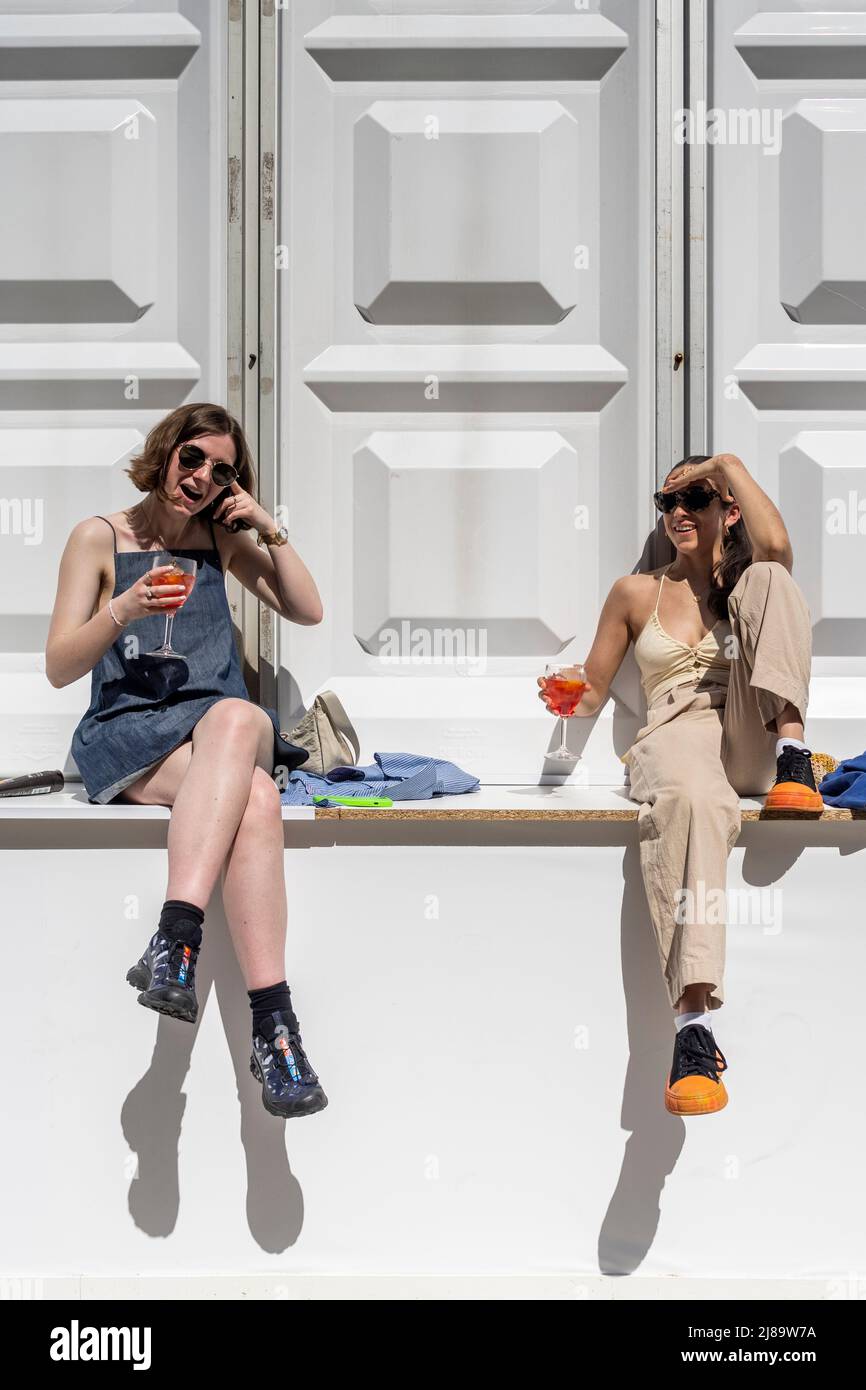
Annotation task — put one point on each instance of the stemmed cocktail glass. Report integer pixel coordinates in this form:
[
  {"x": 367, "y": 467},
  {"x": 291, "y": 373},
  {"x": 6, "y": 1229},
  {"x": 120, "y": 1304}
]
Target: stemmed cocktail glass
[
  {"x": 183, "y": 571},
  {"x": 562, "y": 688}
]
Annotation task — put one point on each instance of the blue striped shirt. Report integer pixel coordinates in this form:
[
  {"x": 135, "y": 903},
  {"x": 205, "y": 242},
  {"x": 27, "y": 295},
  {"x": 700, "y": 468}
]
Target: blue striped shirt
[{"x": 399, "y": 776}]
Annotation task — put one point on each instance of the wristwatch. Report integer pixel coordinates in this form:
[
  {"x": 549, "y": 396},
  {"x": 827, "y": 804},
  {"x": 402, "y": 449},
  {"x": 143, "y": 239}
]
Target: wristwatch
[{"x": 278, "y": 537}]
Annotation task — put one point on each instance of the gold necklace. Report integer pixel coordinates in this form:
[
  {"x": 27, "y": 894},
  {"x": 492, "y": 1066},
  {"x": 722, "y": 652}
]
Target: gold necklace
[{"x": 697, "y": 598}]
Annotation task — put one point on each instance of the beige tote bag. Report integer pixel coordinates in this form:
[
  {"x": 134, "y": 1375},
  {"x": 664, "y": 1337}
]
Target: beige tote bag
[{"x": 328, "y": 735}]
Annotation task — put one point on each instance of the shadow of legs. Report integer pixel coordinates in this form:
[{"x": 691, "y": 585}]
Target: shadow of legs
[
  {"x": 152, "y": 1114},
  {"x": 656, "y": 1139}
]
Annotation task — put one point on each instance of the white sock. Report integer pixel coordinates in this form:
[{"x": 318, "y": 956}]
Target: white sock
[
  {"x": 796, "y": 743},
  {"x": 683, "y": 1020}
]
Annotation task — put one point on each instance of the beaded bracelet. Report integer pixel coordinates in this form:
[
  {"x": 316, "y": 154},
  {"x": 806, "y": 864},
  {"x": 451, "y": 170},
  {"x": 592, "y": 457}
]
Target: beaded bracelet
[{"x": 111, "y": 611}]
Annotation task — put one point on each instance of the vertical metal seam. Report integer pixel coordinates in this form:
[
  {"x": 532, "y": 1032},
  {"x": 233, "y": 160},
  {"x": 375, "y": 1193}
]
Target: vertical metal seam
[
  {"x": 267, "y": 316},
  {"x": 250, "y": 364},
  {"x": 670, "y": 247},
  {"x": 663, "y": 239},
  {"x": 234, "y": 210},
  {"x": 235, "y": 251},
  {"x": 251, "y": 292},
  {"x": 696, "y": 235}
]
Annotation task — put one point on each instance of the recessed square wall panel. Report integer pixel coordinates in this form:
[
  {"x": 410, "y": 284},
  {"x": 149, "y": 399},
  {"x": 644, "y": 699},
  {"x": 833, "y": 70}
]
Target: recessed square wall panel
[
  {"x": 788, "y": 307},
  {"x": 823, "y": 212},
  {"x": 494, "y": 557},
  {"x": 462, "y": 214},
  {"x": 48, "y": 477},
  {"x": 823, "y": 484},
  {"x": 95, "y": 164},
  {"x": 466, "y": 320},
  {"x": 112, "y": 294}
]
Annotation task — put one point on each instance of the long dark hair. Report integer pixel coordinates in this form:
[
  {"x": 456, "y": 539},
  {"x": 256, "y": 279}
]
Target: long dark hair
[{"x": 736, "y": 552}]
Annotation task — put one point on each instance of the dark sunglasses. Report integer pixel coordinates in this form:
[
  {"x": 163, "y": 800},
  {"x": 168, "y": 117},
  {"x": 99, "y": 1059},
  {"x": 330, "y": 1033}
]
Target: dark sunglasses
[
  {"x": 693, "y": 498},
  {"x": 190, "y": 457}
]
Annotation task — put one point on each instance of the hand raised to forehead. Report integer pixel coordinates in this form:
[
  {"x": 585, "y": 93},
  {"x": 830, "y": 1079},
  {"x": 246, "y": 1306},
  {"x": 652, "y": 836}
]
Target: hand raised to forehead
[{"x": 708, "y": 472}]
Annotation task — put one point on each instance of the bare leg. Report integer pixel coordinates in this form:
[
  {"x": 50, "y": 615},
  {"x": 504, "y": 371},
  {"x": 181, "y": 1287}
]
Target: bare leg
[
  {"x": 160, "y": 786},
  {"x": 254, "y": 887},
  {"x": 693, "y": 999},
  {"x": 789, "y": 724},
  {"x": 254, "y": 890},
  {"x": 229, "y": 741}
]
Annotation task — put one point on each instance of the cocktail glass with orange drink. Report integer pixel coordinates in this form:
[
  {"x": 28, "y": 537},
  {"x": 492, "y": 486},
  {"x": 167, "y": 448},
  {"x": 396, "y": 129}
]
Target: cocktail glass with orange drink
[
  {"x": 562, "y": 688},
  {"x": 183, "y": 571}
]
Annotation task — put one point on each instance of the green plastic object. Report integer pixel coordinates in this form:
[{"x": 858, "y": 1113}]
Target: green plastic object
[{"x": 357, "y": 800}]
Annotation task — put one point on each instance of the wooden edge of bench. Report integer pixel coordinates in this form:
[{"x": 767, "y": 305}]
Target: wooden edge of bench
[{"x": 453, "y": 813}]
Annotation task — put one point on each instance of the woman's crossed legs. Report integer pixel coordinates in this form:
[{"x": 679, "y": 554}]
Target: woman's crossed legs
[{"x": 226, "y": 817}]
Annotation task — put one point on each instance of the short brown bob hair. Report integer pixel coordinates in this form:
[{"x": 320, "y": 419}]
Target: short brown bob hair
[{"x": 186, "y": 423}]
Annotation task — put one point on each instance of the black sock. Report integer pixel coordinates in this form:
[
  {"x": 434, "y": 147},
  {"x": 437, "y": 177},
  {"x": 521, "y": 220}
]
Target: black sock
[
  {"x": 181, "y": 921},
  {"x": 268, "y": 1001}
]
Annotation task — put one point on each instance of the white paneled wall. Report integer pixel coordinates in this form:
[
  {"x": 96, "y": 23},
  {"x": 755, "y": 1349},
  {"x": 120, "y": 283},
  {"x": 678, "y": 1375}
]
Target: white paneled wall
[
  {"x": 467, "y": 358},
  {"x": 112, "y": 293},
  {"x": 789, "y": 309}
]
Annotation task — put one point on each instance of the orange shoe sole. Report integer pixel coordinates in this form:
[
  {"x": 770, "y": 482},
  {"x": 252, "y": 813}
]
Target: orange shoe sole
[
  {"x": 793, "y": 796},
  {"x": 691, "y": 1105}
]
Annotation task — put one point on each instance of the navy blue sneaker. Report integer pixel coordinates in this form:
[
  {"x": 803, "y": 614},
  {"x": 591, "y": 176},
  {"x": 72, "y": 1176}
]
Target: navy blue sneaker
[
  {"x": 289, "y": 1085},
  {"x": 166, "y": 976}
]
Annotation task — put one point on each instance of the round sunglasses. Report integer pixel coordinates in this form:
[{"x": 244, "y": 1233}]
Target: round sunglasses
[
  {"x": 191, "y": 457},
  {"x": 694, "y": 498}
]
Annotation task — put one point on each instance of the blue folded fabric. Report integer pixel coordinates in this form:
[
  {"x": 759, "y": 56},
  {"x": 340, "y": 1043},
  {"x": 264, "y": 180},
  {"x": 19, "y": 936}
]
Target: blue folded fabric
[
  {"x": 399, "y": 776},
  {"x": 846, "y": 785}
]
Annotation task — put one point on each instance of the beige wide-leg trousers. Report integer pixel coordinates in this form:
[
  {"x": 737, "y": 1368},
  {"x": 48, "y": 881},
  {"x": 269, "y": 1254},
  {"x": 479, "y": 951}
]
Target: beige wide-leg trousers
[{"x": 702, "y": 748}]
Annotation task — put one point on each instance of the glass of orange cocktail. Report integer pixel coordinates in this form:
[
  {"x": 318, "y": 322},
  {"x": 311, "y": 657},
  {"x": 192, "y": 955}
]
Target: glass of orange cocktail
[
  {"x": 183, "y": 571},
  {"x": 562, "y": 688}
]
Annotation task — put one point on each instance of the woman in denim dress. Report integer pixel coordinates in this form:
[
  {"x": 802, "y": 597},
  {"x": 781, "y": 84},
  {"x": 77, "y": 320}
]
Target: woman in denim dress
[{"x": 182, "y": 731}]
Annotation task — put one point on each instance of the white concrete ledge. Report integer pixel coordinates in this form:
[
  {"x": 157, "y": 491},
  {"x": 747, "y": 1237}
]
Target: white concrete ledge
[
  {"x": 71, "y": 804},
  {"x": 557, "y": 804}
]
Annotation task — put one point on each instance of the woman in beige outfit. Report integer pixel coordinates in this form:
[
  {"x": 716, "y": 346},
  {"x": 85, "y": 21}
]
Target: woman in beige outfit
[{"x": 723, "y": 639}]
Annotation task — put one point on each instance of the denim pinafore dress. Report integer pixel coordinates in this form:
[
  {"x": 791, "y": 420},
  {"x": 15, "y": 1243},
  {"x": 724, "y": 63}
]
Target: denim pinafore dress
[{"x": 143, "y": 706}]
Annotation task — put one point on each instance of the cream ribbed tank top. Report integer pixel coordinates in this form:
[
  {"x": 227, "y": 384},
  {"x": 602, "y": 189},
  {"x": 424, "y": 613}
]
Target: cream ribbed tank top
[{"x": 665, "y": 663}]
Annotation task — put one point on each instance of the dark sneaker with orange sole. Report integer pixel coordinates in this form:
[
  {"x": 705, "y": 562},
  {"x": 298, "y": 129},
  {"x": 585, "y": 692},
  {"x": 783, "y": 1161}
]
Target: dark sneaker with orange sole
[
  {"x": 694, "y": 1085},
  {"x": 794, "y": 788}
]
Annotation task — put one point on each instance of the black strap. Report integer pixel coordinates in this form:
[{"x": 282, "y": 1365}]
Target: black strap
[
  {"x": 212, "y": 536},
  {"x": 113, "y": 532}
]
